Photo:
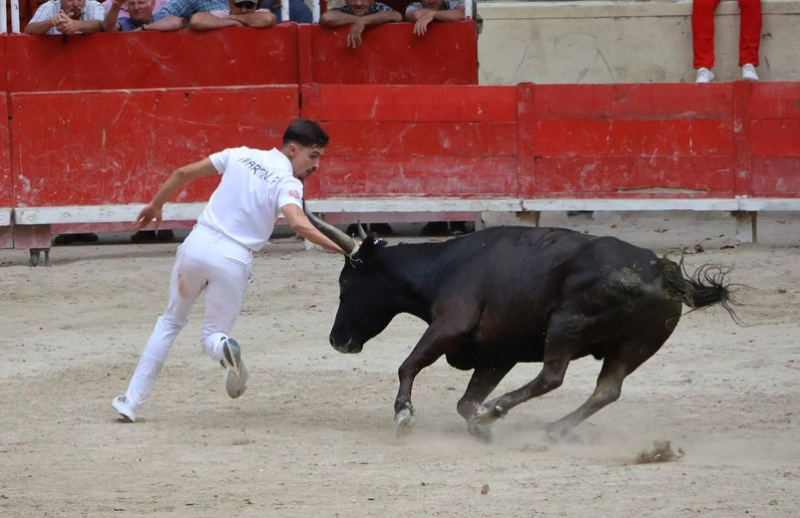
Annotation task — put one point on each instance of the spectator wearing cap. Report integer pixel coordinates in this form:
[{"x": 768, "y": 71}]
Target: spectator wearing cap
[
  {"x": 139, "y": 13},
  {"x": 67, "y": 17},
  {"x": 240, "y": 13},
  {"x": 422, "y": 13},
  {"x": 359, "y": 14}
]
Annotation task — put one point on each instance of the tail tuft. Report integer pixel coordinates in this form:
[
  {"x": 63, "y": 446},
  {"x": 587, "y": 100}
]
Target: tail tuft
[{"x": 707, "y": 286}]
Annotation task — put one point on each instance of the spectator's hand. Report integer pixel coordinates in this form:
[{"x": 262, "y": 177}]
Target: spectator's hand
[
  {"x": 421, "y": 27},
  {"x": 64, "y": 24},
  {"x": 149, "y": 213},
  {"x": 119, "y": 3},
  {"x": 354, "y": 36}
]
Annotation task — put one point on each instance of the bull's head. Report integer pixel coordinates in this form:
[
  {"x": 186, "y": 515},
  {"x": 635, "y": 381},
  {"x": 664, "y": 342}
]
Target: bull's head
[{"x": 365, "y": 292}]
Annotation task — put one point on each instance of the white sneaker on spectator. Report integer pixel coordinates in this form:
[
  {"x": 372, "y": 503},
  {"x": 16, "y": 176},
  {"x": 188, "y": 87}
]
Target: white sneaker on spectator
[
  {"x": 749, "y": 73},
  {"x": 704, "y": 75}
]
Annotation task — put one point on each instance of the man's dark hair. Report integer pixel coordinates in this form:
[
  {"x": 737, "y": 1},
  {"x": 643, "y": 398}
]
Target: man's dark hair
[{"x": 306, "y": 133}]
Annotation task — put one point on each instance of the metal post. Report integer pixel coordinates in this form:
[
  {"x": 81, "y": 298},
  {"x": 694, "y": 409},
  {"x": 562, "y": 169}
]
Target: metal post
[
  {"x": 14, "y": 16},
  {"x": 468, "y": 9},
  {"x": 315, "y": 11}
]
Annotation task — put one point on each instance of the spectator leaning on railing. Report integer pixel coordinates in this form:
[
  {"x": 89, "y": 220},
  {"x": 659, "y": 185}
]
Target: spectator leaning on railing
[
  {"x": 140, "y": 13},
  {"x": 67, "y": 17},
  {"x": 240, "y": 13},
  {"x": 359, "y": 13},
  {"x": 175, "y": 14},
  {"x": 424, "y": 12}
]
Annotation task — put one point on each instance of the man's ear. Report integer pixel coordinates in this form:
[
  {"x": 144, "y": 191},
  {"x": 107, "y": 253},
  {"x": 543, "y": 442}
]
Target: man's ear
[{"x": 292, "y": 148}]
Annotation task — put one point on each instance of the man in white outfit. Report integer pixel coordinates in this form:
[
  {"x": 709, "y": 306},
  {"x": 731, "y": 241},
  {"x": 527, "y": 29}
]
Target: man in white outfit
[{"x": 216, "y": 258}]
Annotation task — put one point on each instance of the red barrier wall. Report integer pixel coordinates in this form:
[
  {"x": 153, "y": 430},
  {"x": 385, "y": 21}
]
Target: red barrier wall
[
  {"x": 626, "y": 141},
  {"x": 118, "y": 147},
  {"x": 415, "y": 140},
  {"x": 6, "y": 190},
  {"x": 110, "y": 61},
  {"x": 391, "y": 54},
  {"x": 775, "y": 136}
]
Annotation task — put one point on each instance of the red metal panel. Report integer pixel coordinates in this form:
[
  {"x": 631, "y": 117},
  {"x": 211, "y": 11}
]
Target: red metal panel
[
  {"x": 776, "y": 137},
  {"x": 118, "y": 147},
  {"x": 392, "y": 54},
  {"x": 410, "y": 103},
  {"x": 433, "y": 176},
  {"x": 3, "y": 64},
  {"x": 6, "y": 189},
  {"x": 633, "y": 101},
  {"x": 104, "y": 61}
]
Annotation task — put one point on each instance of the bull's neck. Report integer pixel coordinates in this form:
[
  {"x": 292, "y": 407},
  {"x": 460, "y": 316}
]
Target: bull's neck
[{"x": 413, "y": 270}]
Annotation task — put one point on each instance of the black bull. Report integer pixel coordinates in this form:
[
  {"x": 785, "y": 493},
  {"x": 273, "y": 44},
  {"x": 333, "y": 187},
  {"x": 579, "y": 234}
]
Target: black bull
[{"x": 515, "y": 294}]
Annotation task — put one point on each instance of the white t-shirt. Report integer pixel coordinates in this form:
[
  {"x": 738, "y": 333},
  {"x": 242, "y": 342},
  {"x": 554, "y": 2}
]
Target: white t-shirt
[
  {"x": 91, "y": 11},
  {"x": 255, "y": 185}
]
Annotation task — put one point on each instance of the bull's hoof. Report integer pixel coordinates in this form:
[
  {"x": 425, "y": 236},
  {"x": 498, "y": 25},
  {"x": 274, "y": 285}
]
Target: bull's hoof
[
  {"x": 403, "y": 422},
  {"x": 489, "y": 412},
  {"x": 555, "y": 431},
  {"x": 481, "y": 432}
]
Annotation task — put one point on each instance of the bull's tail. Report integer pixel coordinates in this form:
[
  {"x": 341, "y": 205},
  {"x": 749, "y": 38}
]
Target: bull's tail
[{"x": 707, "y": 286}]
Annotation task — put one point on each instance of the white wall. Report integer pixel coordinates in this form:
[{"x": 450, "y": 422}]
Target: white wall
[{"x": 624, "y": 42}]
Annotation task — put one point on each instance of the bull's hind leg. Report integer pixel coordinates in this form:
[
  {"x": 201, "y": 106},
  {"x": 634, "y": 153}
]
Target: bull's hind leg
[
  {"x": 484, "y": 380},
  {"x": 616, "y": 367}
]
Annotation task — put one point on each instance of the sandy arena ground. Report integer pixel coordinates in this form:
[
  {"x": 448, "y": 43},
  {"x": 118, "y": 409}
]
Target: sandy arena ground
[{"x": 313, "y": 435}]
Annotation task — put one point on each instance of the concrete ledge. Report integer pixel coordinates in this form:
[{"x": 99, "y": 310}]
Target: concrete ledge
[
  {"x": 706, "y": 204},
  {"x": 5, "y": 216},
  {"x": 408, "y": 204}
]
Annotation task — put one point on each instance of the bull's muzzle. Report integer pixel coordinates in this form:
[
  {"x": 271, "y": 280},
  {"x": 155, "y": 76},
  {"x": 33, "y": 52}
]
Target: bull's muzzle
[{"x": 349, "y": 347}]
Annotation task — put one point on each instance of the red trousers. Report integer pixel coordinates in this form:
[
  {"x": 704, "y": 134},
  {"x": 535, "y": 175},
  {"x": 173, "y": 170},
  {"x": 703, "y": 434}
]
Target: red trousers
[{"x": 703, "y": 32}]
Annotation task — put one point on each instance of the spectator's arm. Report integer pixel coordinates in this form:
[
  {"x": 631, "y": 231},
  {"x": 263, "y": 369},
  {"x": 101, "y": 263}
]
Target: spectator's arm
[
  {"x": 111, "y": 20},
  {"x": 167, "y": 23},
  {"x": 40, "y": 27},
  {"x": 334, "y": 18},
  {"x": 66, "y": 25},
  {"x": 209, "y": 22},
  {"x": 257, "y": 19},
  {"x": 422, "y": 17},
  {"x": 381, "y": 17}
]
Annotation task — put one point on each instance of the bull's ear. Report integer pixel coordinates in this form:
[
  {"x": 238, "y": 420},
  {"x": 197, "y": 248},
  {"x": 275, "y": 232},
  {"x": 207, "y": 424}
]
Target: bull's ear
[{"x": 367, "y": 248}]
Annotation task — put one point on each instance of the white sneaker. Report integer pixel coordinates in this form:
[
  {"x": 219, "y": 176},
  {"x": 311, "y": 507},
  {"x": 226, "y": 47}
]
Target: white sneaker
[
  {"x": 124, "y": 409},
  {"x": 236, "y": 375},
  {"x": 749, "y": 73},
  {"x": 704, "y": 75}
]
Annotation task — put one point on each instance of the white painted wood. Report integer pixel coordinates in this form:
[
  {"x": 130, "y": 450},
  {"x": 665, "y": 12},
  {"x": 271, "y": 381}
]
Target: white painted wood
[
  {"x": 315, "y": 11},
  {"x": 768, "y": 204},
  {"x": 407, "y": 204},
  {"x": 285, "y": 11},
  {"x": 3, "y": 19},
  {"x": 637, "y": 204},
  {"x": 101, "y": 213},
  {"x": 5, "y": 216},
  {"x": 14, "y": 16}
]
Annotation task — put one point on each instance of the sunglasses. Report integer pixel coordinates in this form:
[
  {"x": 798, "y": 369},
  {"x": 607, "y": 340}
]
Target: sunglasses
[{"x": 247, "y": 4}]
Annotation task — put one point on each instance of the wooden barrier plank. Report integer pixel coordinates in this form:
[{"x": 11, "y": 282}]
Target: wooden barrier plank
[
  {"x": 776, "y": 176},
  {"x": 6, "y": 185},
  {"x": 391, "y": 54},
  {"x": 105, "y": 61},
  {"x": 636, "y": 138},
  {"x": 419, "y": 140},
  {"x": 613, "y": 177},
  {"x": 633, "y": 101},
  {"x": 421, "y": 103},
  {"x": 118, "y": 147},
  {"x": 775, "y": 101},
  {"x": 434, "y": 176}
]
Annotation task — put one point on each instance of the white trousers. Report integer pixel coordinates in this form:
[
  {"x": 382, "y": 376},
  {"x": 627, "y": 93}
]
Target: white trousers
[{"x": 207, "y": 262}]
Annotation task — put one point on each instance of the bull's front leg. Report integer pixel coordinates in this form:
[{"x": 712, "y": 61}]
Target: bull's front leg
[{"x": 433, "y": 344}]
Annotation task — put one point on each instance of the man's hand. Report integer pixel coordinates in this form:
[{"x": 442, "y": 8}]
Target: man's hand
[
  {"x": 354, "y": 36},
  {"x": 421, "y": 27},
  {"x": 149, "y": 213},
  {"x": 64, "y": 24}
]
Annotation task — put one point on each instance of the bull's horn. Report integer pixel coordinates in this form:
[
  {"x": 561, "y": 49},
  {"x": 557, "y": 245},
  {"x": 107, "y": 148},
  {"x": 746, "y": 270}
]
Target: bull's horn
[
  {"x": 342, "y": 240},
  {"x": 361, "y": 232}
]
